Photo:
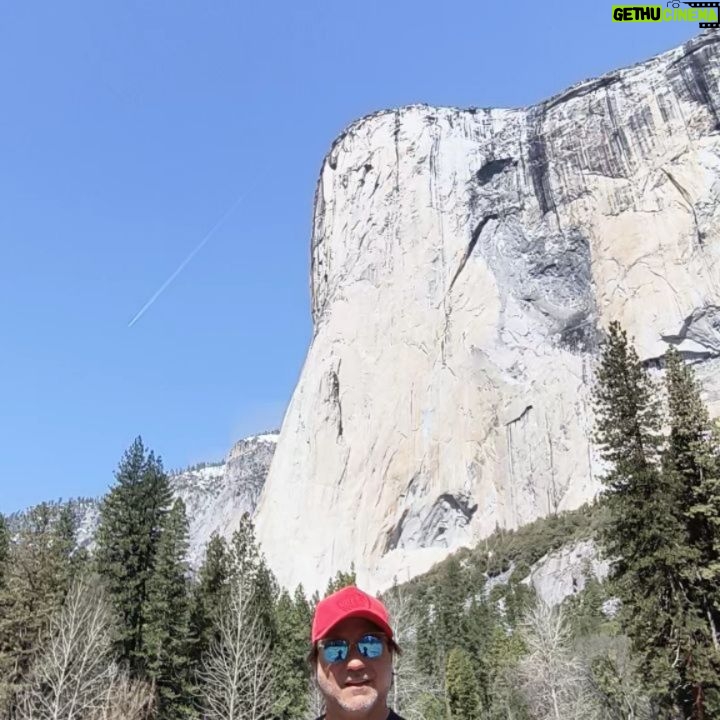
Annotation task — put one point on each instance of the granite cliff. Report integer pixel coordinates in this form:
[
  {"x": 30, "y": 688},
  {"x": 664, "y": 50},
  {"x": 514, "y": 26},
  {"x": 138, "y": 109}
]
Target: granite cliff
[{"x": 464, "y": 264}]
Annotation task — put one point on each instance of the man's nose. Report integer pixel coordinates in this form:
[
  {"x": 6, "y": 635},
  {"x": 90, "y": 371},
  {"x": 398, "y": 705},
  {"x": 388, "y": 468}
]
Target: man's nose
[{"x": 355, "y": 660}]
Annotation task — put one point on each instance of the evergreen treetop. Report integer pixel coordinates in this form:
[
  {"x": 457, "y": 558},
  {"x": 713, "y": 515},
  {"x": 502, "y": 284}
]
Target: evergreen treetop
[
  {"x": 131, "y": 521},
  {"x": 167, "y": 634},
  {"x": 210, "y": 595},
  {"x": 657, "y": 515}
]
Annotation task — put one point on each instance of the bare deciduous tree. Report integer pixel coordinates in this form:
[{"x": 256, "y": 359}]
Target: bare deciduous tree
[
  {"x": 73, "y": 676},
  {"x": 236, "y": 675},
  {"x": 125, "y": 699},
  {"x": 72, "y": 666},
  {"x": 553, "y": 681}
]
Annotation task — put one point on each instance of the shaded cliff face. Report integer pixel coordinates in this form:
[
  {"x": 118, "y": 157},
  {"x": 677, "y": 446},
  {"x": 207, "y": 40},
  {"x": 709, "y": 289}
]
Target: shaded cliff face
[
  {"x": 464, "y": 263},
  {"x": 216, "y": 496}
]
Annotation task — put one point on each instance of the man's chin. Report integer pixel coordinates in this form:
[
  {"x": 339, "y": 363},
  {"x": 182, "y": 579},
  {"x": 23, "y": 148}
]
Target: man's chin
[{"x": 356, "y": 698}]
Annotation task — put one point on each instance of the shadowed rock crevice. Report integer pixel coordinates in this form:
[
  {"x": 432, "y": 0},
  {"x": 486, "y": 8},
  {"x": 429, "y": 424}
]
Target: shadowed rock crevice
[
  {"x": 522, "y": 415},
  {"x": 492, "y": 168},
  {"x": 393, "y": 537},
  {"x": 471, "y": 246},
  {"x": 701, "y": 327},
  {"x": 449, "y": 512},
  {"x": 686, "y": 197},
  {"x": 539, "y": 164},
  {"x": 335, "y": 398},
  {"x": 691, "y": 357}
]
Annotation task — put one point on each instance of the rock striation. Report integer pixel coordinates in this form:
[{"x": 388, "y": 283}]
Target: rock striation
[{"x": 464, "y": 263}]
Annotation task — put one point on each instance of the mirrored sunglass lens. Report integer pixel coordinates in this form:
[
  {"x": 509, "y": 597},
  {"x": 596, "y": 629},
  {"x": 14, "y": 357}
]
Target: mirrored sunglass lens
[
  {"x": 370, "y": 646},
  {"x": 335, "y": 651}
]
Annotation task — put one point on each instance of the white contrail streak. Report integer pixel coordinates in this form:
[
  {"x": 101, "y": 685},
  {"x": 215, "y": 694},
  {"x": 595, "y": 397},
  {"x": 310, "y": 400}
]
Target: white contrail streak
[{"x": 182, "y": 265}]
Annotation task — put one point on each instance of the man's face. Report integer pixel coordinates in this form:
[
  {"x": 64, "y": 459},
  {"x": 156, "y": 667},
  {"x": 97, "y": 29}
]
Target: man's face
[{"x": 356, "y": 685}]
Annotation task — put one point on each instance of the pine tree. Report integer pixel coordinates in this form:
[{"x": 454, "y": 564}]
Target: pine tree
[
  {"x": 341, "y": 580},
  {"x": 210, "y": 595},
  {"x": 515, "y": 597},
  {"x": 265, "y": 593},
  {"x": 450, "y": 593},
  {"x": 131, "y": 520},
  {"x": 480, "y": 625},
  {"x": 427, "y": 658},
  {"x": 441, "y": 625},
  {"x": 644, "y": 536},
  {"x": 249, "y": 570},
  {"x": 585, "y": 613},
  {"x": 167, "y": 632},
  {"x": 502, "y": 660},
  {"x": 463, "y": 692},
  {"x": 303, "y": 610},
  {"x": 71, "y": 560},
  {"x": 692, "y": 463},
  {"x": 244, "y": 551},
  {"x": 291, "y": 670}
]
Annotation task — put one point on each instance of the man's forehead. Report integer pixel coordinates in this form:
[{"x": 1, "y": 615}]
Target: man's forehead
[{"x": 351, "y": 627}]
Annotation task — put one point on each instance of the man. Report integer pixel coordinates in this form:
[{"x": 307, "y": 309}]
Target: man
[{"x": 352, "y": 656}]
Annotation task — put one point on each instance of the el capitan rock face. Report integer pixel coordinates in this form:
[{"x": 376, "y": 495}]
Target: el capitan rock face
[{"x": 464, "y": 263}]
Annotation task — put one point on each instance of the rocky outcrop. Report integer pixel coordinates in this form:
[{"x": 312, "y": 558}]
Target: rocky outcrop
[
  {"x": 216, "y": 496},
  {"x": 464, "y": 263},
  {"x": 565, "y": 572}
]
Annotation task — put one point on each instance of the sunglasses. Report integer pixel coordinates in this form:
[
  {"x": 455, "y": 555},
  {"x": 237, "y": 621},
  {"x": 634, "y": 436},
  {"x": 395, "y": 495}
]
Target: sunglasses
[{"x": 370, "y": 647}]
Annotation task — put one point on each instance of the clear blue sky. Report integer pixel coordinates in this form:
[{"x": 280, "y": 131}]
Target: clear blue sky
[{"x": 128, "y": 129}]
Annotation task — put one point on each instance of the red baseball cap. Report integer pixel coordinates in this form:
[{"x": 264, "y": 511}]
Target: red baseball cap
[{"x": 349, "y": 602}]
